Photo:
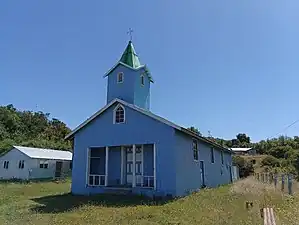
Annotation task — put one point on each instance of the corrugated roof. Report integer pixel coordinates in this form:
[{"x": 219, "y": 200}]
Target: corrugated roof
[
  {"x": 240, "y": 149},
  {"x": 40, "y": 153}
]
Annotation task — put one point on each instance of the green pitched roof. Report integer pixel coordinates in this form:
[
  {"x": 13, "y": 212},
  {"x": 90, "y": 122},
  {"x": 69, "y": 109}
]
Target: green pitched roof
[{"x": 129, "y": 57}]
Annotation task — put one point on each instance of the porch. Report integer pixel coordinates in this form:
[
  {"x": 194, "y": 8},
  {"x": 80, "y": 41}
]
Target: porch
[{"x": 122, "y": 167}]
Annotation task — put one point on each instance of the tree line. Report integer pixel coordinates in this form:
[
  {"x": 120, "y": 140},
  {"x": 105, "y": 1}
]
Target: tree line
[
  {"x": 282, "y": 152},
  {"x": 33, "y": 129}
]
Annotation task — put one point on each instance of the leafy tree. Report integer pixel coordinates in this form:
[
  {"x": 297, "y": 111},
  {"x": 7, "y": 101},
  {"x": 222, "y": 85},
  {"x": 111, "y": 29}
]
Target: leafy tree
[
  {"x": 195, "y": 130},
  {"x": 28, "y": 128},
  {"x": 270, "y": 161},
  {"x": 245, "y": 166}
]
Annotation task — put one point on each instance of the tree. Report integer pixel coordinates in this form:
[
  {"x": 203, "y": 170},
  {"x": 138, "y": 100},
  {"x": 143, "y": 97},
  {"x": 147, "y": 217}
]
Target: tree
[
  {"x": 270, "y": 161},
  {"x": 29, "y": 128},
  {"x": 195, "y": 130},
  {"x": 245, "y": 166}
]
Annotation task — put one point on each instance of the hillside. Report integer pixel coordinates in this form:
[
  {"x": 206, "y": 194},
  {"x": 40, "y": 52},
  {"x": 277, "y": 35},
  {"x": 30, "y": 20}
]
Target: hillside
[{"x": 34, "y": 129}]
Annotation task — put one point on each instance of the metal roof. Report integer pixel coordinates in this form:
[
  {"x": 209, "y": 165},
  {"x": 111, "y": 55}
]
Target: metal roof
[
  {"x": 130, "y": 59},
  {"x": 40, "y": 153},
  {"x": 240, "y": 149}
]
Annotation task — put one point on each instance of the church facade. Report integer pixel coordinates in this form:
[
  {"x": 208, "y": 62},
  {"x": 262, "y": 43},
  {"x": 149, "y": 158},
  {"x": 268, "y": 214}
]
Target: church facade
[{"x": 126, "y": 147}]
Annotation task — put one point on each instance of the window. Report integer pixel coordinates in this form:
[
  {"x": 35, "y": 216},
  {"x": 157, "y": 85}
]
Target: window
[
  {"x": 120, "y": 77},
  {"x": 21, "y": 164},
  {"x": 222, "y": 159},
  {"x": 119, "y": 114},
  {"x": 43, "y": 165},
  {"x": 5, "y": 166},
  {"x": 142, "y": 80},
  {"x": 195, "y": 150},
  {"x": 212, "y": 155}
]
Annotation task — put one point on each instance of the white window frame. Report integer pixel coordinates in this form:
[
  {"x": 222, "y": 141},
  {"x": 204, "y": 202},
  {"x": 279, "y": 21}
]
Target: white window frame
[
  {"x": 21, "y": 164},
  {"x": 114, "y": 114},
  {"x": 193, "y": 150},
  {"x": 42, "y": 162},
  {"x": 122, "y": 76},
  {"x": 142, "y": 79}
]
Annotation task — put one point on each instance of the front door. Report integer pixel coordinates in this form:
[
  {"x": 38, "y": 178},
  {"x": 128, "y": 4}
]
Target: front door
[
  {"x": 58, "y": 169},
  {"x": 138, "y": 165},
  {"x": 202, "y": 173}
]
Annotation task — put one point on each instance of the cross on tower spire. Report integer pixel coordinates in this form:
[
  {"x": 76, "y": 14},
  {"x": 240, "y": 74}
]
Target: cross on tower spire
[{"x": 129, "y": 32}]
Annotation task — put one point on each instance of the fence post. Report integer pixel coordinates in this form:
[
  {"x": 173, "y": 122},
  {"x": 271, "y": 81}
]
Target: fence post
[
  {"x": 258, "y": 176},
  {"x": 290, "y": 184},
  {"x": 282, "y": 182},
  {"x": 275, "y": 180}
]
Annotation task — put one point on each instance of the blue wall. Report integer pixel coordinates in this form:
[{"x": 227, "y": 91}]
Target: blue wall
[
  {"x": 138, "y": 129},
  {"x": 188, "y": 171},
  {"x": 130, "y": 90}
]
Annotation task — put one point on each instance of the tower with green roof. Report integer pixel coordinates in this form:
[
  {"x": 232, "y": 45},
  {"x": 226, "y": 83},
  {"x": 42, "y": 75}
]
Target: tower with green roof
[{"x": 129, "y": 80}]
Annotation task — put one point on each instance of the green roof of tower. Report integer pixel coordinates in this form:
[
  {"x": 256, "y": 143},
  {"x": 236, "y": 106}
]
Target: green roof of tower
[{"x": 129, "y": 57}]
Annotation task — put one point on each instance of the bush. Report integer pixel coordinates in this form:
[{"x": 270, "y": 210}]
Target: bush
[
  {"x": 245, "y": 166},
  {"x": 270, "y": 161}
]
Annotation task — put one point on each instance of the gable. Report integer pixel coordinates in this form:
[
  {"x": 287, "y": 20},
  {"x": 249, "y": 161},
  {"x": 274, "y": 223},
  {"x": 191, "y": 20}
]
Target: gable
[
  {"x": 14, "y": 154},
  {"x": 137, "y": 128}
]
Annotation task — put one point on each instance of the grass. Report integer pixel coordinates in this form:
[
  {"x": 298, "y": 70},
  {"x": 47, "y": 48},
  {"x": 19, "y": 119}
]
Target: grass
[{"x": 50, "y": 203}]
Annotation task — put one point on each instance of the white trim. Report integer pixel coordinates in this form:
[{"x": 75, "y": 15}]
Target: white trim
[
  {"x": 155, "y": 178},
  {"x": 134, "y": 166},
  {"x": 123, "y": 64},
  {"x": 147, "y": 113},
  {"x": 114, "y": 113},
  {"x": 117, "y": 77},
  {"x": 106, "y": 166},
  {"x": 87, "y": 165},
  {"x": 122, "y": 165}
]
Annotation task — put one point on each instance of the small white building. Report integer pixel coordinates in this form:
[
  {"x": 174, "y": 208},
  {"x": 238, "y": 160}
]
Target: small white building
[
  {"x": 244, "y": 151},
  {"x": 34, "y": 163}
]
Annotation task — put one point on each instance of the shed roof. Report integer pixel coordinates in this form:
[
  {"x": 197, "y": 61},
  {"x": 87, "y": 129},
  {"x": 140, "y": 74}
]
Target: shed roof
[
  {"x": 240, "y": 149},
  {"x": 40, "y": 153}
]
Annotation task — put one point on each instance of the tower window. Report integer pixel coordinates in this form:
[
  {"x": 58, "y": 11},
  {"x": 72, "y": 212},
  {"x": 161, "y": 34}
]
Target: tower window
[
  {"x": 142, "y": 80},
  {"x": 120, "y": 77},
  {"x": 119, "y": 114}
]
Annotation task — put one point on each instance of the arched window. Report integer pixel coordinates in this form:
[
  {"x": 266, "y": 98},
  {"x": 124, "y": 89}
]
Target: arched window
[
  {"x": 120, "y": 77},
  {"x": 142, "y": 80},
  {"x": 119, "y": 114}
]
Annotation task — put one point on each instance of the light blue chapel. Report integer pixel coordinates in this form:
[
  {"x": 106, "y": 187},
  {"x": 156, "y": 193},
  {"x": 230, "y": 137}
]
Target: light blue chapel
[{"x": 126, "y": 147}]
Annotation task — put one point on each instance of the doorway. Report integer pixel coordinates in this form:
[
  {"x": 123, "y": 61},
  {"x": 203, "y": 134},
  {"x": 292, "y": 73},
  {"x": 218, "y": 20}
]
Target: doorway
[
  {"x": 138, "y": 165},
  {"x": 58, "y": 169},
  {"x": 202, "y": 173}
]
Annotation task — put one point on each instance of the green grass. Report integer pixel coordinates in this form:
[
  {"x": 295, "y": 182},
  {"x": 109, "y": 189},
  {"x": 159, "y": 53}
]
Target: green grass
[{"x": 50, "y": 203}]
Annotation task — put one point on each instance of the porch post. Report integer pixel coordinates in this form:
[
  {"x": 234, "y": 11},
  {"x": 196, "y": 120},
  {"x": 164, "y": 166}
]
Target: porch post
[
  {"x": 122, "y": 165},
  {"x": 155, "y": 180},
  {"x": 106, "y": 166},
  {"x": 87, "y": 165},
  {"x": 134, "y": 166}
]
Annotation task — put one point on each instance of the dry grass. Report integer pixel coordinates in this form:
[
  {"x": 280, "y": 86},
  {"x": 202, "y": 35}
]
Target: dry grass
[{"x": 50, "y": 203}]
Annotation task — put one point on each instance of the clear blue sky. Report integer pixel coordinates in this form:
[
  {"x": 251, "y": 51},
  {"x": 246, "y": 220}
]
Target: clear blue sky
[{"x": 222, "y": 66}]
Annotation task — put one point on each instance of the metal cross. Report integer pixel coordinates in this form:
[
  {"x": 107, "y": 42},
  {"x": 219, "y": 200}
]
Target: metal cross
[{"x": 130, "y": 33}]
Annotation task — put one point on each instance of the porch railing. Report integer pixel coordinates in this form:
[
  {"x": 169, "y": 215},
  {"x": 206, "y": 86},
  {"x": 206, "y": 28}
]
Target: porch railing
[
  {"x": 96, "y": 180},
  {"x": 148, "y": 181}
]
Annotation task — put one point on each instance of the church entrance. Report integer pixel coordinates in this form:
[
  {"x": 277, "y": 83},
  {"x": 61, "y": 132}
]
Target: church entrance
[{"x": 130, "y": 165}]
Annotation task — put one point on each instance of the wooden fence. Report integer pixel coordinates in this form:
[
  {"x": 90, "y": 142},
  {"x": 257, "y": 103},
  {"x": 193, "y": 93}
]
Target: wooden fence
[{"x": 284, "y": 182}]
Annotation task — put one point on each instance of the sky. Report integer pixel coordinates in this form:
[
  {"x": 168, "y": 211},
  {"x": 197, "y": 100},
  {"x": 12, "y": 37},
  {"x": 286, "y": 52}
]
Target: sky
[{"x": 227, "y": 67}]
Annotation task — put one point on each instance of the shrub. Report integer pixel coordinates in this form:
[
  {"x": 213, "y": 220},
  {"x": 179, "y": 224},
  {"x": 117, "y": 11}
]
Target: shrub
[
  {"x": 245, "y": 166},
  {"x": 270, "y": 161}
]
